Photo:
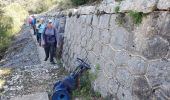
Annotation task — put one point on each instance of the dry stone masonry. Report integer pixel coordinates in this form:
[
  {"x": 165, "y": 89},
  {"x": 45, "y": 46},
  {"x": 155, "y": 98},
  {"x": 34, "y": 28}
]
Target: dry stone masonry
[{"x": 134, "y": 59}]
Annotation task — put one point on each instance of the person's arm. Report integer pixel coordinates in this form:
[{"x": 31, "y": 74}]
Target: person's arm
[
  {"x": 56, "y": 36},
  {"x": 43, "y": 38}
]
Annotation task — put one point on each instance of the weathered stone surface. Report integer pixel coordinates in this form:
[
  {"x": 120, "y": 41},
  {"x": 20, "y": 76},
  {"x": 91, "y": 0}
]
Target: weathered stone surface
[
  {"x": 95, "y": 20},
  {"x": 121, "y": 58},
  {"x": 109, "y": 69},
  {"x": 156, "y": 47},
  {"x": 157, "y": 72},
  {"x": 124, "y": 94},
  {"x": 137, "y": 65},
  {"x": 104, "y": 21},
  {"x": 105, "y": 37},
  {"x": 124, "y": 77},
  {"x": 162, "y": 92},
  {"x": 145, "y": 6},
  {"x": 36, "y": 96},
  {"x": 141, "y": 89},
  {"x": 86, "y": 10},
  {"x": 97, "y": 48},
  {"x": 106, "y": 8},
  {"x": 134, "y": 59},
  {"x": 119, "y": 39},
  {"x": 108, "y": 53},
  {"x": 163, "y": 4}
]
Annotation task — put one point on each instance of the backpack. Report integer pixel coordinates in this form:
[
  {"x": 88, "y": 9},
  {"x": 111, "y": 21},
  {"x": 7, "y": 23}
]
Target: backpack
[{"x": 50, "y": 38}]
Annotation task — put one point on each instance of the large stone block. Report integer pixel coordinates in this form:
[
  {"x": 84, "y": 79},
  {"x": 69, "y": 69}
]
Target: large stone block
[
  {"x": 119, "y": 38},
  {"x": 163, "y": 4},
  {"x": 95, "y": 21},
  {"x": 97, "y": 48},
  {"x": 157, "y": 72},
  {"x": 145, "y": 6},
  {"x": 89, "y": 19},
  {"x": 107, "y": 8},
  {"x": 109, "y": 69},
  {"x": 141, "y": 89},
  {"x": 124, "y": 94},
  {"x": 137, "y": 65},
  {"x": 113, "y": 23},
  {"x": 105, "y": 37},
  {"x": 86, "y": 10},
  {"x": 124, "y": 77},
  {"x": 108, "y": 53},
  {"x": 96, "y": 34},
  {"x": 104, "y": 21},
  {"x": 121, "y": 58},
  {"x": 156, "y": 47}
]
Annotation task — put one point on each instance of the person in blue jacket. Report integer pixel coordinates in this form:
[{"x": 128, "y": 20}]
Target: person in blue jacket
[
  {"x": 34, "y": 24},
  {"x": 41, "y": 28}
]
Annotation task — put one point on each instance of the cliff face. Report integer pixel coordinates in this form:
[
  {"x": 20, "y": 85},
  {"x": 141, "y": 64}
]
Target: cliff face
[{"x": 134, "y": 58}]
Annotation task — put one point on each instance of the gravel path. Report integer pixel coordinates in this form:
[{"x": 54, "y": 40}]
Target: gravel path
[{"x": 29, "y": 73}]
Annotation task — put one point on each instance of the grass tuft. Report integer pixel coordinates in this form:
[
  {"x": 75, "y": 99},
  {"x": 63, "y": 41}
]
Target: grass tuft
[{"x": 136, "y": 17}]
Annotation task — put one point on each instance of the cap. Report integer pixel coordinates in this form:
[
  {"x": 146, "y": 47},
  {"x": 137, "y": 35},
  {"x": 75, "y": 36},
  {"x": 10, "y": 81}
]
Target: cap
[{"x": 50, "y": 21}]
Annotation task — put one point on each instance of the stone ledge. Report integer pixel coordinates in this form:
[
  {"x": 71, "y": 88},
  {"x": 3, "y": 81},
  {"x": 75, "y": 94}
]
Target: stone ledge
[{"x": 36, "y": 96}]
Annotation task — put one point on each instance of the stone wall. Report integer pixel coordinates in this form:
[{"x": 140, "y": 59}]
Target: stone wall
[{"x": 134, "y": 59}]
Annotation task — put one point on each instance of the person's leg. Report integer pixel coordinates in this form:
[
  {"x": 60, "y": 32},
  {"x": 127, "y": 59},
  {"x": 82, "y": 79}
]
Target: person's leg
[
  {"x": 52, "y": 53},
  {"x": 38, "y": 37},
  {"x": 47, "y": 51}
]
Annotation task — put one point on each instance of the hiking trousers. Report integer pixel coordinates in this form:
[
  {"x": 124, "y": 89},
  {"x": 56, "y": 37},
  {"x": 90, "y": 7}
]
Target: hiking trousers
[
  {"x": 50, "y": 50},
  {"x": 39, "y": 38}
]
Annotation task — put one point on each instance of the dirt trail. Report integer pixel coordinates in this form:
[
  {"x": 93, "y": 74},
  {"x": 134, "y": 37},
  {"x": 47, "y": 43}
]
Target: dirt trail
[{"x": 30, "y": 77}]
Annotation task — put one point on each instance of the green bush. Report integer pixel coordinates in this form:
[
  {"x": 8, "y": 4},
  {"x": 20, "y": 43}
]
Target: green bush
[
  {"x": 79, "y": 2},
  {"x": 136, "y": 16},
  {"x": 11, "y": 20},
  {"x": 86, "y": 91},
  {"x": 117, "y": 9}
]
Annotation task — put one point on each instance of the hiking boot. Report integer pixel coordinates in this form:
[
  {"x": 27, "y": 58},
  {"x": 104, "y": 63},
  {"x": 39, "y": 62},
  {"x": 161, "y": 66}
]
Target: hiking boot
[
  {"x": 46, "y": 59},
  {"x": 52, "y": 62}
]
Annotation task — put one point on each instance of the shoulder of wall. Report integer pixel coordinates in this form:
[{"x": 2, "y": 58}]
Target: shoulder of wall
[{"x": 109, "y": 6}]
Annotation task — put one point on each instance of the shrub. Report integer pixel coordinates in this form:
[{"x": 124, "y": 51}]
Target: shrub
[
  {"x": 11, "y": 21},
  {"x": 136, "y": 16},
  {"x": 79, "y": 2},
  {"x": 86, "y": 91},
  {"x": 117, "y": 9}
]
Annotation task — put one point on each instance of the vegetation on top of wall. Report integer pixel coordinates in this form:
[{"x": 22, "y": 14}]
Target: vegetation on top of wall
[
  {"x": 117, "y": 8},
  {"x": 136, "y": 16},
  {"x": 79, "y": 2},
  {"x": 118, "y": 0}
]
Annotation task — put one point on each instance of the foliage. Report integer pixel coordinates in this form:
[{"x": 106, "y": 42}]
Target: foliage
[
  {"x": 11, "y": 20},
  {"x": 17, "y": 14},
  {"x": 117, "y": 9},
  {"x": 86, "y": 91},
  {"x": 118, "y": 0},
  {"x": 79, "y": 2},
  {"x": 136, "y": 16}
]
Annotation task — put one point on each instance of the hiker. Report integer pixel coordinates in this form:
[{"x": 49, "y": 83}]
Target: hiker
[
  {"x": 41, "y": 28},
  {"x": 34, "y": 24},
  {"x": 30, "y": 20},
  {"x": 49, "y": 41},
  {"x": 37, "y": 29}
]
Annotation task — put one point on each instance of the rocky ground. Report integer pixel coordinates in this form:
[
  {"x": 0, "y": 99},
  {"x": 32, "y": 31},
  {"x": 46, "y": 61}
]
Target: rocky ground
[
  {"x": 22, "y": 51},
  {"x": 29, "y": 73}
]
